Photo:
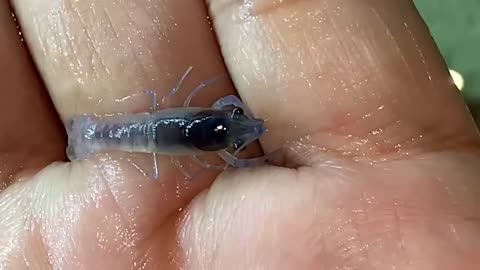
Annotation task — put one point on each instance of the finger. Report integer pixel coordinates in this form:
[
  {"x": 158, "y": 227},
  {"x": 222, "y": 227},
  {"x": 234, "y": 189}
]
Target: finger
[
  {"x": 31, "y": 135},
  {"x": 93, "y": 53},
  {"x": 361, "y": 78}
]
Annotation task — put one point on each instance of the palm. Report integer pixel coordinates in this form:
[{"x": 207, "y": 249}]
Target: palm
[{"x": 380, "y": 180}]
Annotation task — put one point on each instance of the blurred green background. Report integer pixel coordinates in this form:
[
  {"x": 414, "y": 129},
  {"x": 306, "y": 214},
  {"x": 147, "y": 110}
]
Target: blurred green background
[{"x": 455, "y": 26}]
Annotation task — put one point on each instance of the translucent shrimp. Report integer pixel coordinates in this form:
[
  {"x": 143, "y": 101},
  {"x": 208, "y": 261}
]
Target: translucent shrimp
[{"x": 182, "y": 131}]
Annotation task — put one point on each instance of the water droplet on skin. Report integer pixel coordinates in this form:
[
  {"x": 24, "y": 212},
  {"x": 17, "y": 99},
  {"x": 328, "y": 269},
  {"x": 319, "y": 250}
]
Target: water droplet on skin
[
  {"x": 367, "y": 115},
  {"x": 376, "y": 131},
  {"x": 177, "y": 191},
  {"x": 370, "y": 199}
]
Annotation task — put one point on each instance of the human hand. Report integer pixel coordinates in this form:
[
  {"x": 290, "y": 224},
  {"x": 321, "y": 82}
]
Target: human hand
[{"x": 383, "y": 151}]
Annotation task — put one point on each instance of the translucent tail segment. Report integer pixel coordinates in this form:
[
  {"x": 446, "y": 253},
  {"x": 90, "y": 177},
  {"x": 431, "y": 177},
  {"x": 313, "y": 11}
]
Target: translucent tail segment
[{"x": 79, "y": 147}]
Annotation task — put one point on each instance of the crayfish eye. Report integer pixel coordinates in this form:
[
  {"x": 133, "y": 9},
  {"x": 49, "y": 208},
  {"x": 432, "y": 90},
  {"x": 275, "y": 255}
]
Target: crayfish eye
[{"x": 237, "y": 110}]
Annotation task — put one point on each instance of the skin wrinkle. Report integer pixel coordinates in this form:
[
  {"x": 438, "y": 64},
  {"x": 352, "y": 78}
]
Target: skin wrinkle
[
  {"x": 56, "y": 233},
  {"x": 399, "y": 235},
  {"x": 128, "y": 222},
  {"x": 8, "y": 247},
  {"x": 395, "y": 219},
  {"x": 59, "y": 249},
  {"x": 364, "y": 216},
  {"x": 125, "y": 235},
  {"x": 110, "y": 22},
  {"x": 31, "y": 225},
  {"x": 373, "y": 67},
  {"x": 329, "y": 243},
  {"x": 419, "y": 51},
  {"x": 349, "y": 253},
  {"x": 394, "y": 42},
  {"x": 453, "y": 246},
  {"x": 40, "y": 41},
  {"x": 422, "y": 56},
  {"x": 344, "y": 48},
  {"x": 393, "y": 148},
  {"x": 125, "y": 218},
  {"x": 91, "y": 42},
  {"x": 346, "y": 245},
  {"x": 398, "y": 146},
  {"x": 131, "y": 21},
  {"x": 58, "y": 28}
]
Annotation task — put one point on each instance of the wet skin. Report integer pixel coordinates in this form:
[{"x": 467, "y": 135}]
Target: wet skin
[{"x": 383, "y": 157}]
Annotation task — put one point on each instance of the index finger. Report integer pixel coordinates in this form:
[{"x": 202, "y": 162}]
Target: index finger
[{"x": 361, "y": 78}]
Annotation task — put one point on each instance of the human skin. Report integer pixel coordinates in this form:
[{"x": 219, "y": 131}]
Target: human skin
[{"x": 382, "y": 154}]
